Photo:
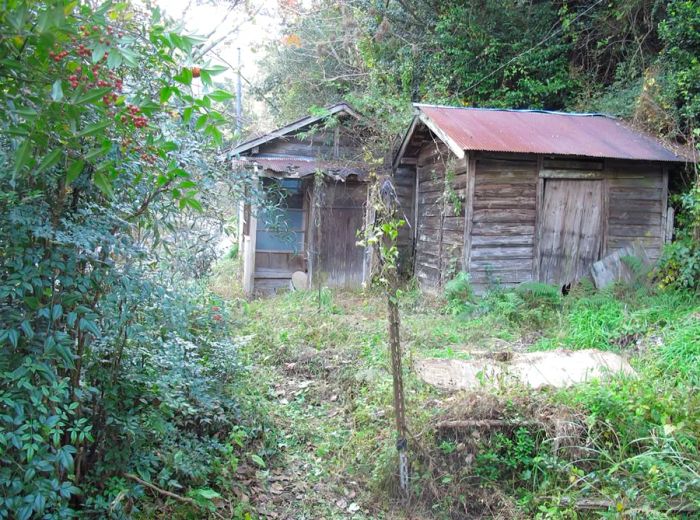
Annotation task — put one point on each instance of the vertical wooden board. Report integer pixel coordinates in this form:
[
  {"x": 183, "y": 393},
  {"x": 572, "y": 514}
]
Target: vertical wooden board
[
  {"x": 469, "y": 209},
  {"x": 571, "y": 229},
  {"x": 341, "y": 262}
]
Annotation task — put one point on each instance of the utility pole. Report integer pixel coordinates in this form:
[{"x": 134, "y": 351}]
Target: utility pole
[{"x": 239, "y": 95}]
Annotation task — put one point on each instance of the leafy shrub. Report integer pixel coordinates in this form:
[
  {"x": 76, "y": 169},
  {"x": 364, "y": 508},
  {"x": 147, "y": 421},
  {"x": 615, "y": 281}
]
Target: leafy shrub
[
  {"x": 459, "y": 293},
  {"x": 680, "y": 265},
  {"x": 110, "y": 357}
]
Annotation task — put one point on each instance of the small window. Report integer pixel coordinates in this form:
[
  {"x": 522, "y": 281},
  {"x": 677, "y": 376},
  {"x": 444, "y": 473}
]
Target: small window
[{"x": 281, "y": 220}]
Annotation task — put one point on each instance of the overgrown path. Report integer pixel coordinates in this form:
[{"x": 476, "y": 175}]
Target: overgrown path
[{"x": 307, "y": 386}]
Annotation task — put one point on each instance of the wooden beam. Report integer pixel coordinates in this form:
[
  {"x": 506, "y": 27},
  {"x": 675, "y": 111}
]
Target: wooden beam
[
  {"x": 454, "y": 147},
  {"x": 404, "y": 143},
  {"x": 664, "y": 206},
  {"x": 250, "y": 242},
  {"x": 469, "y": 211},
  {"x": 539, "y": 198},
  {"x": 570, "y": 174}
]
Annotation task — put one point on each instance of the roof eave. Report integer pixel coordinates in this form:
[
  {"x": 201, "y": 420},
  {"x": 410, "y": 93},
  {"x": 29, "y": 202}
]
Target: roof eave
[{"x": 291, "y": 127}]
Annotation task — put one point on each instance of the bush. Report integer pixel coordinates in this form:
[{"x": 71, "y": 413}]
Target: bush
[{"x": 459, "y": 293}]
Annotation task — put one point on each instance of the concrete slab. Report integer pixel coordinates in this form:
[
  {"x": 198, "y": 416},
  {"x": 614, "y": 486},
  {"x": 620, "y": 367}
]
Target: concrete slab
[{"x": 555, "y": 368}]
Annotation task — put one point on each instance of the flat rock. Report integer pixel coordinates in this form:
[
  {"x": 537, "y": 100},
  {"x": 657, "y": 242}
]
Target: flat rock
[{"x": 555, "y": 368}]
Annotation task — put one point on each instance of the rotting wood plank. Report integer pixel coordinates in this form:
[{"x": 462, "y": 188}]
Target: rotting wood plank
[
  {"x": 503, "y": 240},
  {"x": 569, "y": 164},
  {"x": 489, "y": 229},
  {"x": 511, "y": 215},
  {"x": 505, "y": 203},
  {"x": 633, "y": 231},
  {"x": 636, "y": 194},
  {"x": 484, "y": 253}
]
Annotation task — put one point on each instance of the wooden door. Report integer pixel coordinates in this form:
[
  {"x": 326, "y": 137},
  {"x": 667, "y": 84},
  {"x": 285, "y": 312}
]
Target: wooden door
[
  {"x": 571, "y": 229},
  {"x": 341, "y": 213}
]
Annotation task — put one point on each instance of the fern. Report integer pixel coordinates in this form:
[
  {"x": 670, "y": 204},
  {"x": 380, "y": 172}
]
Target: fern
[{"x": 539, "y": 294}]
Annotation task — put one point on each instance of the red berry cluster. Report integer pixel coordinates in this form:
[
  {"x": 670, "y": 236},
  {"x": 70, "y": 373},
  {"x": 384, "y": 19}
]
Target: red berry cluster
[
  {"x": 57, "y": 56},
  {"x": 83, "y": 51},
  {"x": 138, "y": 120}
]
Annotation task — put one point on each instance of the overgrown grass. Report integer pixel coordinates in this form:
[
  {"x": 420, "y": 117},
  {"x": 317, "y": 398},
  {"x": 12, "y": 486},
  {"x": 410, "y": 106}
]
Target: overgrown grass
[{"x": 639, "y": 444}]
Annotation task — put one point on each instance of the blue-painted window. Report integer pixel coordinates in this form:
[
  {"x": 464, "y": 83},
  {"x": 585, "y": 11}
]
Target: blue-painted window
[{"x": 281, "y": 221}]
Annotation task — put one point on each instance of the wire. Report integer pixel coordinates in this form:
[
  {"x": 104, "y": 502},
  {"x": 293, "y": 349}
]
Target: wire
[{"x": 546, "y": 39}]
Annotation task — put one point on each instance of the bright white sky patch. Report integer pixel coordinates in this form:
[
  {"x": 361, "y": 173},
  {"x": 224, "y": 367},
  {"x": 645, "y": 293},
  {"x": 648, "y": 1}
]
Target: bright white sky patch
[{"x": 246, "y": 27}]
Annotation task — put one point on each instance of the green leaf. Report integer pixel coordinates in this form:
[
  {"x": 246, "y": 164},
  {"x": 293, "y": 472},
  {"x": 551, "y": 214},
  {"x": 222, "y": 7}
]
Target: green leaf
[
  {"x": 74, "y": 170},
  {"x": 205, "y": 77},
  {"x": 94, "y": 128},
  {"x": 50, "y": 160},
  {"x": 220, "y": 95},
  {"x": 193, "y": 203},
  {"x": 258, "y": 460},
  {"x": 201, "y": 122},
  {"x": 215, "y": 134},
  {"x": 27, "y": 329},
  {"x": 56, "y": 312},
  {"x": 216, "y": 69},
  {"x": 92, "y": 95},
  {"x": 22, "y": 155},
  {"x": 187, "y": 114},
  {"x": 130, "y": 57},
  {"x": 13, "y": 336},
  {"x": 98, "y": 52},
  {"x": 184, "y": 77},
  {"x": 165, "y": 94},
  {"x": 103, "y": 183},
  {"x": 114, "y": 59},
  {"x": 207, "y": 493},
  {"x": 169, "y": 146},
  {"x": 57, "y": 91}
]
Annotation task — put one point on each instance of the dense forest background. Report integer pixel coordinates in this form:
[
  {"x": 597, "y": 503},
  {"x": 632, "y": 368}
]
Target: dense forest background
[{"x": 637, "y": 59}]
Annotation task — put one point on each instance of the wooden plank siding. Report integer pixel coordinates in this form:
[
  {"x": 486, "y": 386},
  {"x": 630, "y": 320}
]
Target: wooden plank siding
[
  {"x": 503, "y": 219},
  {"x": 637, "y": 201},
  {"x": 440, "y": 193},
  {"x": 495, "y": 233}
]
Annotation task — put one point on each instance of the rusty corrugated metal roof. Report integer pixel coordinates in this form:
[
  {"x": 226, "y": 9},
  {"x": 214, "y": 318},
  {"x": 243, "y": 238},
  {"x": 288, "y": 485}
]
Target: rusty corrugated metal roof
[
  {"x": 298, "y": 168},
  {"x": 540, "y": 132}
]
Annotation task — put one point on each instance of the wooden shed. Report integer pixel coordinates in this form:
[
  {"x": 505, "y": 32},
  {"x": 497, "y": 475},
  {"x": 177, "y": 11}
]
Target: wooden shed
[
  {"x": 510, "y": 196},
  {"x": 305, "y": 205}
]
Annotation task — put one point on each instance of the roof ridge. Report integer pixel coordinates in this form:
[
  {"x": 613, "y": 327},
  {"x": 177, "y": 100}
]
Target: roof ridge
[
  {"x": 302, "y": 122},
  {"x": 522, "y": 110}
]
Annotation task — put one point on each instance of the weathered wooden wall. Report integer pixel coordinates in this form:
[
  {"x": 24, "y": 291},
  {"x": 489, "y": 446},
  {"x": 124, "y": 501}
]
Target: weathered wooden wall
[
  {"x": 405, "y": 184},
  {"x": 497, "y": 230},
  {"x": 502, "y": 219},
  {"x": 341, "y": 213},
  {"x": 636, "y": 209},
  {"x": 440, "y": 213}
]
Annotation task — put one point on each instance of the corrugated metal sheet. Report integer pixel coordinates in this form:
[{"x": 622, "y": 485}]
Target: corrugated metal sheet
[
  {"x": 298, "y": 168},
  {"x": 555, "y": 133}
]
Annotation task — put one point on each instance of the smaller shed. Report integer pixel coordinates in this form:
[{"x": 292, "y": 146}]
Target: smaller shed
[
  {"x": 311, "y": 190},
  {"x": 510, "y": 196}
]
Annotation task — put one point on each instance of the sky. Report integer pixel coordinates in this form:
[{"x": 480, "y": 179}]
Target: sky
[{"x": 252, "y": 27}]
